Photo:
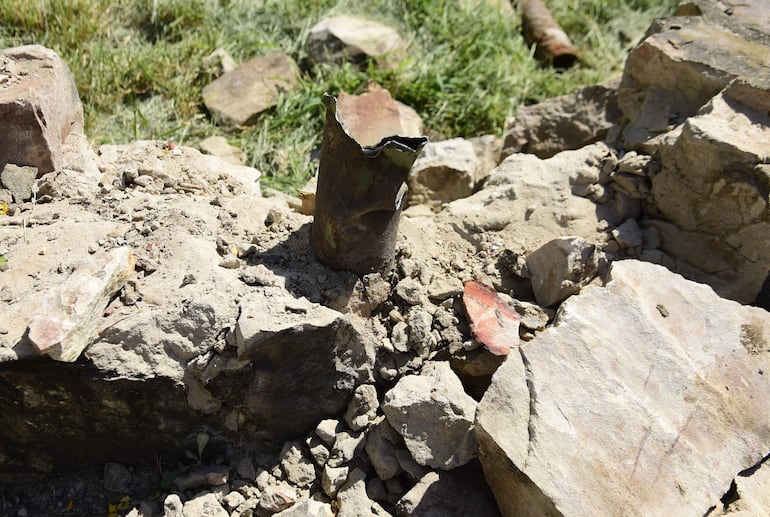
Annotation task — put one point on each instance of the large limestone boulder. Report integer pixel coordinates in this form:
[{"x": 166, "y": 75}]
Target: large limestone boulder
[
  {"x": 696, "y": 95},
  {"x": 648, "y": 394}
]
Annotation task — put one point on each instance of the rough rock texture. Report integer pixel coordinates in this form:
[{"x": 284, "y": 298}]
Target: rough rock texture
[
  {"x": 443, "y": 172},
  {"x": 648, "y": 393},
  {"x": 238, "y": 97},
  {"x": 40, "y": 111},
  {"x": 697, "y": 91},
  {"x": 434, "y": 415},
  {"x": 349, "y": 38},
  {"x": 567, "y": 122},
  {"x": 449, "y": 494},
  {"x": 561, "y": 267},
  {"x": 218, "y": 146}
]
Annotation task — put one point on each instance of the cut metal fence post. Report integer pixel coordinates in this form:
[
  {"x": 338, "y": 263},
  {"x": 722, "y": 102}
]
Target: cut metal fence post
[{"x": 361, "y": 191}]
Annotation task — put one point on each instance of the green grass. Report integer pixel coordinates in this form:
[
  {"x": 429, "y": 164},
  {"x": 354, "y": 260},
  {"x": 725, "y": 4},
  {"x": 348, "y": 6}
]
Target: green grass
[{"x": 137, "y": 64}]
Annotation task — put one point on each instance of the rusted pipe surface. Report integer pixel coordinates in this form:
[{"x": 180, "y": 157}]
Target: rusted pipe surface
[
  {"x": 552, "y": 45},
  {"x": 361, "y": 191}
]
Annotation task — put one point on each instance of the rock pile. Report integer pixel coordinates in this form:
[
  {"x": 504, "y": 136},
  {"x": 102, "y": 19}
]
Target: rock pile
[{"x": 528, "y": 355}]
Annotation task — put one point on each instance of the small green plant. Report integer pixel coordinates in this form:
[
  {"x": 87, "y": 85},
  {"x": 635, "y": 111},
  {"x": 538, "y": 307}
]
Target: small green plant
[{"x": 138, "y": 64}]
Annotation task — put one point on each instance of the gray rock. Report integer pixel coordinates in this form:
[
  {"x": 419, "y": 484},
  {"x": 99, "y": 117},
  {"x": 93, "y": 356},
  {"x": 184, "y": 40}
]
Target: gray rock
[
  {"x": 308, "y": 508},
  {"x": 653, "y": 378},
  {"x": 434, "y": 415},
  {"x": 456, "y": 493},
  {"x": 347, "y": 445},
  {"x": 172, "y": 506},
  {"x": 276, "y": 498},
  {"x": 203, "y": 476},
  {"x": 20, "y": 181},
  {"x": 562, "y": 123},
  {"x": 117, "y": 477},
  {"x": 353, "y": 501},
  {"x": 318, "y": 450},
  {"x": 349, "y": 38},
  {"x": 362, "y": 408},
  {"x": 629, "y": 235},
  {"x": 297, "y": 467},
  {"x": 236, "y": 98},
  {"x": 40, "y": 110},
  {"x": 245, "y": 468},
  {"x": 333, "y": 478},
  {"x": 562, "y": 267},
  {"x": 328, "y": 429},
  {"x": 421, "y": 339},
  {"x": 381, "y": 443},
  {"x": 218, "y": 146},
  {"x": 411, "y": 291},
  {"x": 443, "y": 172},
  {"x": 205, "y": 505}
]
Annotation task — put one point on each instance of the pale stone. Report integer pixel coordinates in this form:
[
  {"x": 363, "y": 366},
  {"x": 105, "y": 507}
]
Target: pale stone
[
  {"x": 381, "y": 445},
  {"x": 434, "y": 415},
  {"x": 353, "y": 500},
  {"x": 66, "y": 319},
  {"x": 236, "y": 98},
  {"x": 172, "y": 506},
  {"x": 375, "y": 115},
  {"x": 297, "y": 467},
  {"x": 362, "y": 409},
  {"x": 648, "y": 393},
  {"x": 39, "y": 109},
  {"x": 277, "y": 498},
  {"x": 562, "y": 267},
  {"x": 350, "y": 38},
  {"x": 218, "y": 146},
  {"x": 19, "y": 180},
  {"x": 333, "y": 478},
  {"x": 203, "y": 476}
]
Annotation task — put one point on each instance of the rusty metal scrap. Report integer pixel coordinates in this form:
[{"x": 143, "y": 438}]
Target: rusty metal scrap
[{"x": 552, "y": 45}]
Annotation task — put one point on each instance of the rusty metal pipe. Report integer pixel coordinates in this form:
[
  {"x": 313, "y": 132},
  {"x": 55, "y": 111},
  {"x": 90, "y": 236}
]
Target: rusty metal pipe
[
  {"x": 361, "y": 191},
  {"x": 552, "y": 45}
]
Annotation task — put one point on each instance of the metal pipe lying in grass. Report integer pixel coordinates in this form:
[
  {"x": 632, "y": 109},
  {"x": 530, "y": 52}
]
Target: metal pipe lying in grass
[
  {"x": 552, "y": 45},
  {"x": 361, "y": 191}
]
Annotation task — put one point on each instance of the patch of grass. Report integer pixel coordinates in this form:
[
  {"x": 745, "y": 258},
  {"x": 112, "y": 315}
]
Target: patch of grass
[{"x": 138, "y": 64}]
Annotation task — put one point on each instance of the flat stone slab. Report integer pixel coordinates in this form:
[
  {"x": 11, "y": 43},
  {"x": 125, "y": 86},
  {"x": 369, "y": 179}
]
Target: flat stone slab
[
  {"x": 236, "y": 98},
  {"x": 649, "y": 394}
]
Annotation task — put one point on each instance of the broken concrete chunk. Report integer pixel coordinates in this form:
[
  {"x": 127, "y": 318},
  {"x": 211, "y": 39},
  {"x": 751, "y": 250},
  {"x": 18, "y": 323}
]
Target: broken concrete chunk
[
  {"x": 492, "y": 320},
  {"x": 67, "y": 317},
  {"x": 434, "y": 415},
  {"x": 561, "y": 267},
  {"x": 354, "y": 39},
  {"x": 236, "y": 98}
]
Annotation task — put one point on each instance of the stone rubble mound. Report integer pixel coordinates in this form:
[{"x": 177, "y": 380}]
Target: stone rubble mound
[{"x": 563, "y": 333}]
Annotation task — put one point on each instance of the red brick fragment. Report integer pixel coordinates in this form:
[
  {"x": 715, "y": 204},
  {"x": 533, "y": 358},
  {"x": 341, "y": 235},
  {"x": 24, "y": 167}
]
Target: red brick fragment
[{"x": 494, "y": 323}]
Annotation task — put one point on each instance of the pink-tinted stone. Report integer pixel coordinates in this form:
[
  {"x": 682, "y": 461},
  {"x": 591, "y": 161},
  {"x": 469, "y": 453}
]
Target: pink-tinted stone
[{"x": 493, "y": 322}]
